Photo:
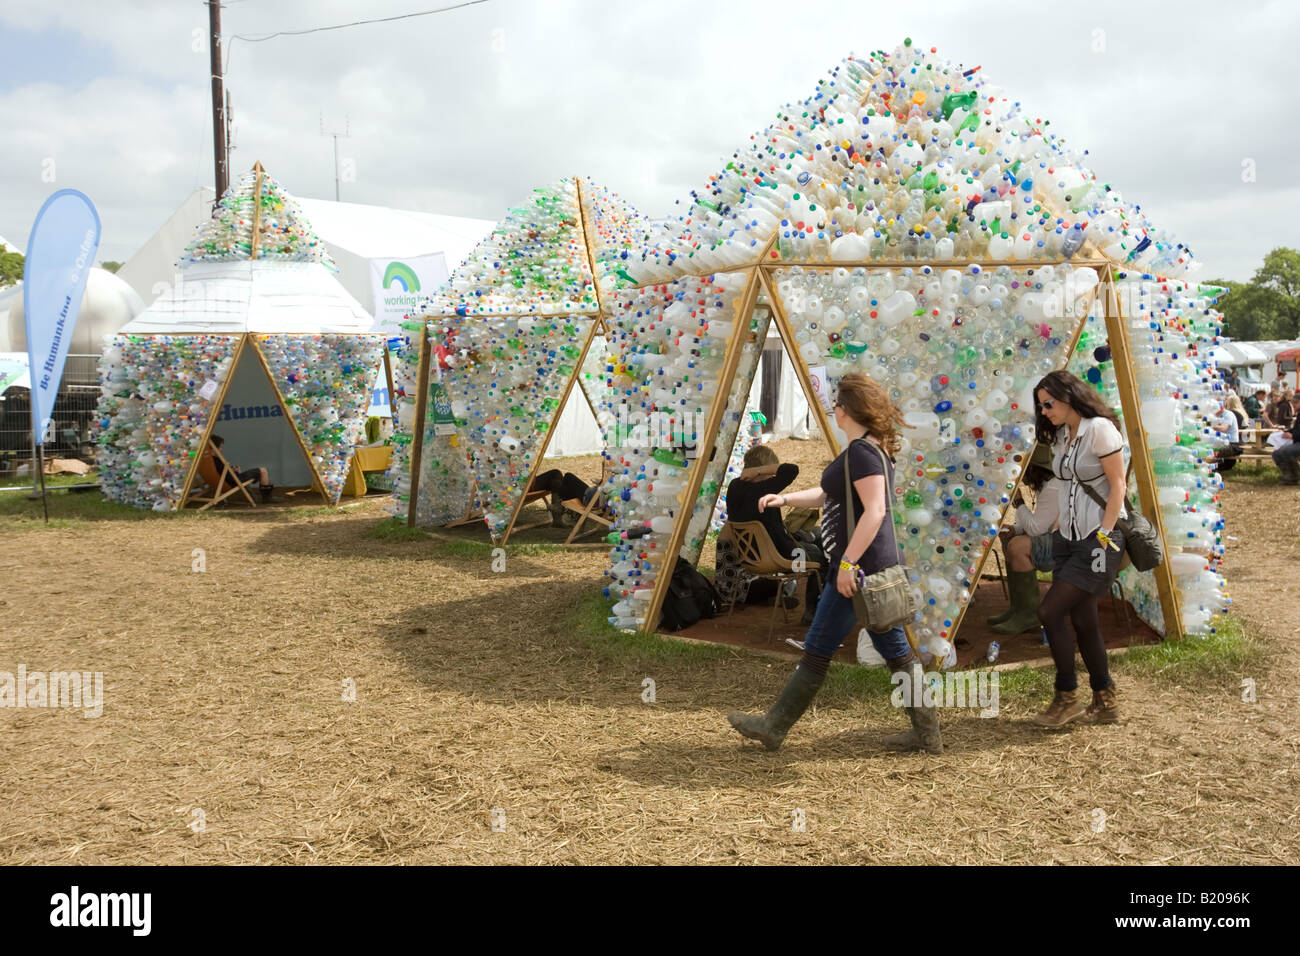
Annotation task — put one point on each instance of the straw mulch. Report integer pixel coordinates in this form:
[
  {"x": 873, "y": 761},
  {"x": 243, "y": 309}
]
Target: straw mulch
[{"x": 477, "y": 698}]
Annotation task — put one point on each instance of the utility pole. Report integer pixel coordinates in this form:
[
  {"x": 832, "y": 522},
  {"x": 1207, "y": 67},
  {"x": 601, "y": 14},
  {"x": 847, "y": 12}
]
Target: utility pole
[
  {"x": 336, "y": 134},
  {"x": 219, "y": 152}
]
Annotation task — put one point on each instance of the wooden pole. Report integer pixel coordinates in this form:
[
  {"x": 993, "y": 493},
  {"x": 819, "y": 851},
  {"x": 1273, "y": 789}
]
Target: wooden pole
[
  {"x": 388, "y": 377},
  {"x": 935, "y": 263},
  {"x": 219, "y": 102},
  {"x": 417, "y": 429},
  {"x": 1121, "y": 354},
  {"x": 211, "y": 424},
  {"x": 740, "y": 329},
  {"x": 320, "y": 483},
  {"x": 796, "y": 359},
  {"x": 257, "y": 210}
]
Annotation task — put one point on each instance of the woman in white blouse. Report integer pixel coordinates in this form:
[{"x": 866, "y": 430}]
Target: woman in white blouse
[{"x": 1087, "y": 547}]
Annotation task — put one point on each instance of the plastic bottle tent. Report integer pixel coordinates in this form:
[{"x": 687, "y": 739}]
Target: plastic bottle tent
[
  {"x": 517, "y": 324},
  {"x": 257, "y": 340},
  {"x": 910, "y": 221}
]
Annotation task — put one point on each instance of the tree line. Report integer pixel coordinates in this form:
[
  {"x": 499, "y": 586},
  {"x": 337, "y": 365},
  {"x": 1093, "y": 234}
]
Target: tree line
[{"x": 1268, "y": 306}]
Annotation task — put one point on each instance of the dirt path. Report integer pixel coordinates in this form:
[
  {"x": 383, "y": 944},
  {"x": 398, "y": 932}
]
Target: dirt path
[{"x": 224, "y": 705}]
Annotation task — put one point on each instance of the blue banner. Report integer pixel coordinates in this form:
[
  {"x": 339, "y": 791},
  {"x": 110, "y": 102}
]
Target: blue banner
[{"x": 60, "y": 253}]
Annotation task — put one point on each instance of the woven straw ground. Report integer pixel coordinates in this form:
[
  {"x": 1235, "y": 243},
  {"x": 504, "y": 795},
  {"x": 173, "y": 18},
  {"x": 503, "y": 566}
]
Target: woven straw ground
[{"x": 477, "y": 692}]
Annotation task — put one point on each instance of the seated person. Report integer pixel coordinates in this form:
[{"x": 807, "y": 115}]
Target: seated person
[
  {"x": 1254, "y": 404},
  {"x": 764, "y": 475},
  {"x": 263, "y": 478},
  {"x": 1226, "y": 424},
  {"x": 565, "y": 486},
  {"x": 1278, "y": 413},
  {"x": 1028, "y": 546}
]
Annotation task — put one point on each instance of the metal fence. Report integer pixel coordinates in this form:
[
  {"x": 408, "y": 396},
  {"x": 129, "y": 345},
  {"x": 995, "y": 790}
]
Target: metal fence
[{"x": 70, "y": 430}]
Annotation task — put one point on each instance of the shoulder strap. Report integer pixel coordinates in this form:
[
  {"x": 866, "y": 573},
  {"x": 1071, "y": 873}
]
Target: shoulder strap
[{"x": 848, "y": 487}]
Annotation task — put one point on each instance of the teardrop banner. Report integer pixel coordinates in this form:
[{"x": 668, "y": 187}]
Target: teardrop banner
[{"x": 60, "y": 252}]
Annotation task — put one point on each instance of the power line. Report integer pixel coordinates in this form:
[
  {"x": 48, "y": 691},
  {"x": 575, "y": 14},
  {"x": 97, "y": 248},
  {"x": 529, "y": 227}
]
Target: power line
[{"x": 354, "y": 23}]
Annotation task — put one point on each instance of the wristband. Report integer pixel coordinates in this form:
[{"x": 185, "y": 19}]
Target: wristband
[
  {"x": 1105, "y": 540},
  {"x": 847, "y": 566}
]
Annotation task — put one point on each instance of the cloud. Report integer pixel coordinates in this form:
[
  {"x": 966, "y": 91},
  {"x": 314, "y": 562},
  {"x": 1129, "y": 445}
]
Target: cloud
[{"x": 464, "y": 112}]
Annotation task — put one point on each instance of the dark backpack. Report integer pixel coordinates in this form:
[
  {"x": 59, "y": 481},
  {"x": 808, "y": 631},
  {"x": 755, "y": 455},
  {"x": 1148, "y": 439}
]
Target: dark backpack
[{"x": 691, "y": 597}]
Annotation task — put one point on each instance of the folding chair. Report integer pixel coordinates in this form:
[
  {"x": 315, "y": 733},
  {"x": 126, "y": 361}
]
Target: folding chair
[
  {"x": 759, "y": 558},
  {"x": 589, "y": 511},
  {"x": 214, "y": 471}
]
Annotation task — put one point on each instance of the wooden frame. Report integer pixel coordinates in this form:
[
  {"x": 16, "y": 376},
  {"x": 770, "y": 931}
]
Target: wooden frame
[
  {"x": 599, "y": 327},
  {"x": 1126, "y": 384}
]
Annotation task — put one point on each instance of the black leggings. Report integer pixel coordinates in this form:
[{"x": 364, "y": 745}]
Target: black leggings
[{"x": 1061, "y": 600}]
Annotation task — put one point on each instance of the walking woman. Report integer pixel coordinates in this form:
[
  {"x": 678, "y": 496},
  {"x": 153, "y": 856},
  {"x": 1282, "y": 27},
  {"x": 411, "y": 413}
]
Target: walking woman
[
  {"x": 1087, "y": 452},
  {"x": 864, "y": 412}
]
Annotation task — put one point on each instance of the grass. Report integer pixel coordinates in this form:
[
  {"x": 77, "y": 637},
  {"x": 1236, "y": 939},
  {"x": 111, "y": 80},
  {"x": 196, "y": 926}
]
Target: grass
[
  {"x": 1253, "y": 474},
  {"x": 1220, "y": 656},
  {"x": 589, "y": 620},
  {"x": 17, "y": 512},
  {"x": 391, "y": 529},
  {"x": 51, "y": 481}
]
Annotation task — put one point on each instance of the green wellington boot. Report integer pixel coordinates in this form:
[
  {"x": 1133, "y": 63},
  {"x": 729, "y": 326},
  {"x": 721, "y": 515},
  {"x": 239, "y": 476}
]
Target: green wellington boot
[
  {"x": 1023, "y": 586},
  {"x": 771, "y": 728},
  {"x": 924, "y": 734}
]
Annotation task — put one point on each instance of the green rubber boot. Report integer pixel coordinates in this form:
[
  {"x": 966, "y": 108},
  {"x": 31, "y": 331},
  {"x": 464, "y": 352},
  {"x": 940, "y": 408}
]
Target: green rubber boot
[
  {"x": 924, "y": 734},
  {"x": 1023, "y": 586},
  {"x": 771, "y": 728}
]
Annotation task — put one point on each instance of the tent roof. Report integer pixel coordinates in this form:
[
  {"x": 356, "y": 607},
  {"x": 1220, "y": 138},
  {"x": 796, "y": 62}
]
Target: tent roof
[
  {"x": 347, "y": 229},
  {"x": 254, "y": 296},
  {"x": 1237, "y": 353},
  {"x": 377, "y": 232}
]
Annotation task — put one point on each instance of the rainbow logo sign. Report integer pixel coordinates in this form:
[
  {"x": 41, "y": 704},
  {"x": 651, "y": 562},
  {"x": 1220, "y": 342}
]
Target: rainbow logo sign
[{"x": 403, "y": 274}]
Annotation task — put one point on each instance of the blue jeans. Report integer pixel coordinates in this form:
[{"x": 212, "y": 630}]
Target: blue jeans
[{"x": 836, "y": 618}]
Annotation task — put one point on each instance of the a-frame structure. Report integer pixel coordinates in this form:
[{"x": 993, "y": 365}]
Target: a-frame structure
[
  {"x": 508, "y": 336},
  {"x": 910, "y": 222},
  {"x": 254, "y": 287}
]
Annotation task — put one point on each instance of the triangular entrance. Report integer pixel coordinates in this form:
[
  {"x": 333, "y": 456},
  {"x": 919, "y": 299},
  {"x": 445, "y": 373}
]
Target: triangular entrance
[
  {"x": 325, "y": 383},
  {"x": 256, "y": 423}
]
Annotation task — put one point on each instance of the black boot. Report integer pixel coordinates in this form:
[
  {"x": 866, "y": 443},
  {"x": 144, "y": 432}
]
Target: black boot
[
  {"x": 924, "y": 734},
  {"x": 772, "y": 727},
  {"x": 266, "y": 491}
]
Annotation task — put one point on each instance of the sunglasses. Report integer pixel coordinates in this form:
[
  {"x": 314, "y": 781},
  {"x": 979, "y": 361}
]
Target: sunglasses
[{"x": 1046, "y": 405}]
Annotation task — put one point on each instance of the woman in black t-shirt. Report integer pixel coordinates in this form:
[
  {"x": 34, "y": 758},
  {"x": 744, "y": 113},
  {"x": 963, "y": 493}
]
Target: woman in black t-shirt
[{"x": 864, "y": 412}]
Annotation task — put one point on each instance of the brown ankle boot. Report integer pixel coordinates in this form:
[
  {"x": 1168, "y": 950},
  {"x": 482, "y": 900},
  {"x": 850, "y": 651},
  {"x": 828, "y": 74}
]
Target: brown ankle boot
[
  {"x": 1103, "y": 709},
  {"x": 1065, "y": 707}
]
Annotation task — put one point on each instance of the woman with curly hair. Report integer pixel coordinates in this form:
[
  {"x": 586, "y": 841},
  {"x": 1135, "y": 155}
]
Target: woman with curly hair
[
  {"x": 864, "y": 412},
  {"x": 1087, "y": 452}
]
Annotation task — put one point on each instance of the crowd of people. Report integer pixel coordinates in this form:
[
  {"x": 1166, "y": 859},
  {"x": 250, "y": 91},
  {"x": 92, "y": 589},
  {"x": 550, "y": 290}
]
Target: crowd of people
[{"x": 1274, "y": 409}]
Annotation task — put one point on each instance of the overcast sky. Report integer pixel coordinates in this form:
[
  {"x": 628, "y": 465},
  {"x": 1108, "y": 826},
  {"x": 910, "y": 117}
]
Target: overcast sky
[{"x": 463, "y": 112}]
